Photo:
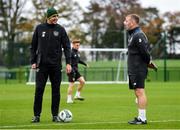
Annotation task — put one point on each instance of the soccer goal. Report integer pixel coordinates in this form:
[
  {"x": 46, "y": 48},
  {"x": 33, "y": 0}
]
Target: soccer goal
[{"x": 106, "y": 66}]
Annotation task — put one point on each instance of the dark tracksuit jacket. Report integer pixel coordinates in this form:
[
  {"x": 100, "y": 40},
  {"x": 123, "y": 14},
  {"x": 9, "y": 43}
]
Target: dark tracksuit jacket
[
  {"x": 138, "y": 52},
  {"x": 75, "y": 59},
  {"x": 46, "y": 51},
  {"x": 47, "y": 43}
]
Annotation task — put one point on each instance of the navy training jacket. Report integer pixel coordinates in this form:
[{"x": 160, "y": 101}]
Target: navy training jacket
[
  {"x": 138, "y": 52},
  {"x": 47, "y": 43},
  {"x": 75, "y": 59}
]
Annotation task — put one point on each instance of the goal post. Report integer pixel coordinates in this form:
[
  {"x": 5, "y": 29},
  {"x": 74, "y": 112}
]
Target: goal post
[{"x": 106, "y": 66}]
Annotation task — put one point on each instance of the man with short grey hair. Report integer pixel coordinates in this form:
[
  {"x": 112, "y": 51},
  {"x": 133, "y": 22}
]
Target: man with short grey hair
[{"x": 138, "y": 60}]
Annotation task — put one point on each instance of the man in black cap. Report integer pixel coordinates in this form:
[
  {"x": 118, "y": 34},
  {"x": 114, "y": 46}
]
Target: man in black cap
[{"x": 46, "y": 53}]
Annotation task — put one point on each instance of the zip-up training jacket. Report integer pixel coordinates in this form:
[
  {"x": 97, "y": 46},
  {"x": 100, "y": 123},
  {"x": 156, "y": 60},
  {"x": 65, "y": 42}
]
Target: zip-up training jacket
[
  {"x": 75, "y": 59},
  {"x": 47, "y": 43},
  {"x": 138, "y": 53}
]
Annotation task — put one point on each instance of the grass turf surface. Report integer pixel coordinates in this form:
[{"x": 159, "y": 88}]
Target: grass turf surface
[{"x": 105, "y": 107}]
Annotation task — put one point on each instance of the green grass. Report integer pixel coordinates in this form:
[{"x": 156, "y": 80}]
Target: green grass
[
  {"x": 100, "y": 70},
  {"x": 106, "y": 107},
  {"x": 159, "y": 63}
]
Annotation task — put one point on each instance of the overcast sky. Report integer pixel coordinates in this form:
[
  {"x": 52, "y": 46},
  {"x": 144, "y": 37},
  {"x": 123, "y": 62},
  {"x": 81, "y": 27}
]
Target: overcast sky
[{"x": 161, "y": 5}]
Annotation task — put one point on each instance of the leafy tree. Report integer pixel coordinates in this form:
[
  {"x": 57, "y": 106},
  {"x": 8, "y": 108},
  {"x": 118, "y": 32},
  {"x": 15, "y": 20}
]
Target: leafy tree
[
  {"x": 113, "y": 37},
  {"x": 105, "y": 21},
  {"x": 152, "y": 24},
  {"x": 93, "y": 20}
]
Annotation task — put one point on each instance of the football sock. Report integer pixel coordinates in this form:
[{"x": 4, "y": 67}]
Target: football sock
[
  {"x": 78, "y": 94},
  {"x": 142, "y": 114},
  {"x": 69, "y": 97},
  {"x": 136, "y": 100}
]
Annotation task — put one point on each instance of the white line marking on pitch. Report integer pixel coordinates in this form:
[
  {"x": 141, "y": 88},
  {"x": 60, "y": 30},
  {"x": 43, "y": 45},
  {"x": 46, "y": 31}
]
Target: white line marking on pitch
[{"x": 90, "y": 123}]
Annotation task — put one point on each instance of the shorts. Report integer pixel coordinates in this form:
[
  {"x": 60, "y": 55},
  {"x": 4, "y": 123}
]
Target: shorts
[
  {"x": 137, "y": 81},
  {"x": 73, "y": 76}
]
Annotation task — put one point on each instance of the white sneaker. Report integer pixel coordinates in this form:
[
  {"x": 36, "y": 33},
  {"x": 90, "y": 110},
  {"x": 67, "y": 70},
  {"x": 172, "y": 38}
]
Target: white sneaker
[
  {"x": 79, "y": 98},
  {"x": 70, "y": 101}
]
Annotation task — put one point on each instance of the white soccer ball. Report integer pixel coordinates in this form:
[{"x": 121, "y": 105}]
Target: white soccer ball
[{"x": 65, "y": 115}]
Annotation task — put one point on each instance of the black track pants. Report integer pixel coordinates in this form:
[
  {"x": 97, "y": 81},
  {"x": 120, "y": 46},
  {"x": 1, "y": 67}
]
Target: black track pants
[{"x": 54, "y": 74}]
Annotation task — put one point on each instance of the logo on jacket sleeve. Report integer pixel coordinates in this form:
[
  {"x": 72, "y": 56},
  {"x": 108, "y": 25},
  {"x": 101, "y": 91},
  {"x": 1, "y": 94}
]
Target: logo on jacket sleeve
[
  {"x": 56, "y": 33},
  {"x": 140, "y": 40}
]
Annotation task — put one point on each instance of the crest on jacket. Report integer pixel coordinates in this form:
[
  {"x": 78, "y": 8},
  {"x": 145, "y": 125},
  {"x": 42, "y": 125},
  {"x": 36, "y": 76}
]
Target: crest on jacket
[{"x": 56, "y": 33}]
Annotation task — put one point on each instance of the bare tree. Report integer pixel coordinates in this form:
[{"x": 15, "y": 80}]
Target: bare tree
[
  {"x": 67, "y": 10},
  {"x": 10, "y": 11},
  {"x": 70, "y": 14}
]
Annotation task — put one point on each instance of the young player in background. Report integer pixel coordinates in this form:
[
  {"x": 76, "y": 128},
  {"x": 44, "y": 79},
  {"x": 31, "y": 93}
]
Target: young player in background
[{"x": 75, "y": 75}]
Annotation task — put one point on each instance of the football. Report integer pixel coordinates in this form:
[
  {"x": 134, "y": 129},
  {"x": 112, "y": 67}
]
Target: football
[{"x": 65, "y": 115}]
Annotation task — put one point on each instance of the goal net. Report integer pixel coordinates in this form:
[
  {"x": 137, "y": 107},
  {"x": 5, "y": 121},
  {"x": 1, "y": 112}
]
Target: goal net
[{"x": 106, "y": 66}]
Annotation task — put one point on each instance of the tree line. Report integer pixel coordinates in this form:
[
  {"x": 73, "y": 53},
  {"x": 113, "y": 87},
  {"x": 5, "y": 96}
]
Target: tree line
[{"x": 100, "y": 25}]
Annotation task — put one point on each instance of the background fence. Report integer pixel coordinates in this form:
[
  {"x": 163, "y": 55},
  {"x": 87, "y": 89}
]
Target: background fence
[{"x": 93, "y": 74}]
